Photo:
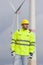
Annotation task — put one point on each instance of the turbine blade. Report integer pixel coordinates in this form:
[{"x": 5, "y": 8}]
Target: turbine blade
[
  {"x": 12, "y": 6},
  {"x": 20, "y": 6}
]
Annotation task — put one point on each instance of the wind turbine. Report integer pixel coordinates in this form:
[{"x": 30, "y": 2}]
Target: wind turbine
[{"x": 16, "y": 12}]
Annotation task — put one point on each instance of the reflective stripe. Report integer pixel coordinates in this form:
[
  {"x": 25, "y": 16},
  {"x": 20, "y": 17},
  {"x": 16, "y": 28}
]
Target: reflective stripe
[
  {"x": 25, "y": 44},
  {"x": 22, "y": 44},
  {"x": 32, "y": 42},
  {"x": 16, "y": 42},
  {"x": 23, "y": 40},
  {"x": 13, "y": 41}
]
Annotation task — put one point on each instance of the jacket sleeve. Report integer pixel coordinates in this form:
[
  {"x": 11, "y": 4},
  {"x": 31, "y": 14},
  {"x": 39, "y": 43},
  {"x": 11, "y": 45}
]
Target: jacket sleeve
[
  {"x": 32, "y": 42},
  {"x": 13, "y": 39}
]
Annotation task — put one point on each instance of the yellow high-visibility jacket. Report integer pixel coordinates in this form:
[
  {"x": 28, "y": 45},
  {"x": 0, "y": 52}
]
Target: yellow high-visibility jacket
[{"x": 23, "y": 42}]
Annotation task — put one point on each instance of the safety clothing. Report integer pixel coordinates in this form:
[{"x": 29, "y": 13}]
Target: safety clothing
[
  {"x": 23, "y": 42},
  {"x": 24, "y": 22}
]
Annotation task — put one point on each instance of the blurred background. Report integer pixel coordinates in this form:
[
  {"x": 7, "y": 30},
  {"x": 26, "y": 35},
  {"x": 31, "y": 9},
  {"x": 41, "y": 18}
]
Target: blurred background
[{"x": 7, "y": 17}]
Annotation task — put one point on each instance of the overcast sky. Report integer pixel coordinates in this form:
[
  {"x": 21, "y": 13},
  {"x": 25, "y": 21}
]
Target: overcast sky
[{"x": 6, "y": 21}]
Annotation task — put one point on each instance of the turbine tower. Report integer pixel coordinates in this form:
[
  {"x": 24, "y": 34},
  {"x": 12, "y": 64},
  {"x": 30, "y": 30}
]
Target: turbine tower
[{"x": 33, "y": 25}]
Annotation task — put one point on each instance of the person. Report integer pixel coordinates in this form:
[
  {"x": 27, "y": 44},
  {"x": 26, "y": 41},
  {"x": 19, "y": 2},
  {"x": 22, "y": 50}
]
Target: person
[{"x": 23, "y": 44}]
